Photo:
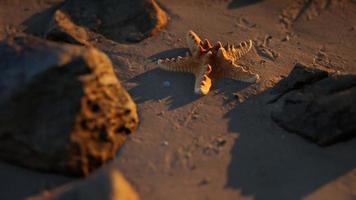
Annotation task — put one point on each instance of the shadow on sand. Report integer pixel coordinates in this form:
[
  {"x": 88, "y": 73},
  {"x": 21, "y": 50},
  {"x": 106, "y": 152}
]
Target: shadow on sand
[
  {"x": 241, "y": 3},
  {"x": 158, "y": 84},
  {"x": 22, "y": 183},
  {"x": 38, "y": 22},
  {"x": 270, "y": 163}
]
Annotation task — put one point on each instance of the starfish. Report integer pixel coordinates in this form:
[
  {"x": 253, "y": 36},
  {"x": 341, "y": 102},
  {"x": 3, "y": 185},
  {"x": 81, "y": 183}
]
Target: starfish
[{"x": 209, "y": 62}]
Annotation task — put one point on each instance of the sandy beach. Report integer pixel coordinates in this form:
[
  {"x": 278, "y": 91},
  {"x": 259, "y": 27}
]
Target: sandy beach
[{"x": 223, "y": 145}]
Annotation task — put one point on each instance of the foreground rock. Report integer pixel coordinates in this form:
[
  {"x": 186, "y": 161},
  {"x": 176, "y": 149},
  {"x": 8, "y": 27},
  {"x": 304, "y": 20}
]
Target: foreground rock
[
  {"x": 106, "y": 185},
  {"x": 317, "y": 105},
  {"x": 62, "y": 107}
]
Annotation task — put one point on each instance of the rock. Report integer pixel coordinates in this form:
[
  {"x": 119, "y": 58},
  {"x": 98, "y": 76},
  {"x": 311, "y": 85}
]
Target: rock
[
  {"x": 62, "y": 108},
  {"x": 317, "y": 105},
  {"x": 79, "y": 21},
  {"x": 123, "y": 21},
  {"x": 298, "y": 78},
  {"x": 62, "y": 29},
  {"x": 106, "y": 185}
]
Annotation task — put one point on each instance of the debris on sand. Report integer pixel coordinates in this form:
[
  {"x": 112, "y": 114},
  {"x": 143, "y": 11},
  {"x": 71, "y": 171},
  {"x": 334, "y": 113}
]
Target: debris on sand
[
  {"x": 263, "y": 49},
  {"x": 204, "y": 181}
]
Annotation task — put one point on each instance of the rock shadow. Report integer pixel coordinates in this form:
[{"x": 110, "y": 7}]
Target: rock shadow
[
  {"x": 38, "y": 23},
  {"x": 21, "y": 183},
  {"x": 269, "y": 163},
  {"x": 241, "y": 3}
]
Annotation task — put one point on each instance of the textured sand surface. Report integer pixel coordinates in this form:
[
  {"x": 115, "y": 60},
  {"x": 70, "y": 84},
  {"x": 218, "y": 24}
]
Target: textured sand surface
[{"x": 219, "y": 146}]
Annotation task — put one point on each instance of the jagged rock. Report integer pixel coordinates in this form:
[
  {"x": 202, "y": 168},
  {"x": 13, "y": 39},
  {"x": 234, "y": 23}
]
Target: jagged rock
[
  {"x": 62, "y": 29},
  {"x": 124, "y": 20},
  {"x": 62, "y": 108},
  {"x": 79, "y": 21},
  {"x": 298, "y": 78},
  {"x": 106, "y": 185},
  {"x": 317, "y": 105}
]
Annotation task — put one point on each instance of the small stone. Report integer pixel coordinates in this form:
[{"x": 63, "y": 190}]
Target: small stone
[
  {"x": 239, "y": 97},
  {"x": 204, "y": 181},
  {"x": 220, "y": 142},
  {"x": 166, "y": 84},
  {"x": 165, "y": 143},
  {"x": 286, "y": 39}
]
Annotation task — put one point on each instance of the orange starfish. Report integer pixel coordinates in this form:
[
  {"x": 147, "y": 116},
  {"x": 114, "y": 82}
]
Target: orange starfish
[{"x": 209, "y": 62}]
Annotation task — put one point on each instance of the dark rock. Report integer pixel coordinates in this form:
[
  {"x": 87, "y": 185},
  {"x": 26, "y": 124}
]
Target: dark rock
[
  {"x": 124, "y": 20},
  {"x": 105, "y": 185},
  {"x": 318, "y": 107},
  {"x": 62, "y": 108},
  {"x": 79, "y": 21},
  {"x": 298, "y": 78}
]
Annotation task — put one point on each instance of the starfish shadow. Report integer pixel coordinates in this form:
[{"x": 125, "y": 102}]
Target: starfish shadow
[
  {"x": 228, "y": 87},
  {"x": 156, "y": 84},
  {"x": 270, "y": 163},
  {"x": 178, "y": 88},
  {"x": 241, "y": 3}
]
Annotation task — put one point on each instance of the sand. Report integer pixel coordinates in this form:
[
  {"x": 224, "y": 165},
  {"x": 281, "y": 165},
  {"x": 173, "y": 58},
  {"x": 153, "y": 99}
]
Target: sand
[{"x": 219, "y": 146}]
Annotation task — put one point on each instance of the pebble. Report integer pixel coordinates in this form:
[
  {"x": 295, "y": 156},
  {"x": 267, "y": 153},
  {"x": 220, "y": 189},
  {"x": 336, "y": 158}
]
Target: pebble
[
  {"x": 286, "y": 39},
  {"x": 204, "y": 181},
  {"x": 166, "y": 84},
  {"x": 165, "y": 143}
]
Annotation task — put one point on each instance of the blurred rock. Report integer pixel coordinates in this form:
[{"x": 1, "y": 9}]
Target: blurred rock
[
  {"x": 317, "y": 105},
  {"x": 124, "y": 20},
  {"x": 62, "y": 109},
  {"x": 106, "y": 185},
  {"x": 299, "y": 77},
  {"x": 62, "y": 29}
]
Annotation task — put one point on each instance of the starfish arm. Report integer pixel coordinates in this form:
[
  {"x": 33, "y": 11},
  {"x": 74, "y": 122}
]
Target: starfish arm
[
  {"x": 237, "y": 52},
  {"x": 179, "y": 64},
  {"x": 194, "y": 42},
  {"x": 239, "y": 73},
  {"x": 202, "y": 79}
]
